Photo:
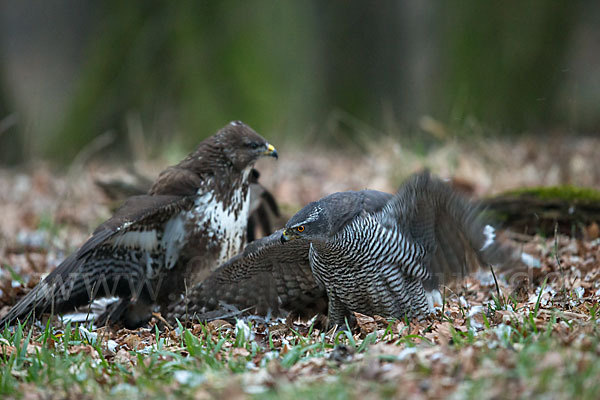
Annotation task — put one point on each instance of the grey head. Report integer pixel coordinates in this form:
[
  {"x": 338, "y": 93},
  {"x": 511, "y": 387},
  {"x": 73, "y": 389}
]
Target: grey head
[{"x": 323, "y": 218}]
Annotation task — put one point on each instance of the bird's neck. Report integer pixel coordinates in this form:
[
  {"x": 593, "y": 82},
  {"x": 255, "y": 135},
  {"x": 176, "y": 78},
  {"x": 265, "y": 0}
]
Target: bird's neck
[{"x": 230, "y": 183}]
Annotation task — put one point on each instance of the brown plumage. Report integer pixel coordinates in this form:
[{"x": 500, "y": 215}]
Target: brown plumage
[
  {"x": 192, "y": 219},
  {"x": 264, "y": 210},
  {"x": 366, "y": 251}
]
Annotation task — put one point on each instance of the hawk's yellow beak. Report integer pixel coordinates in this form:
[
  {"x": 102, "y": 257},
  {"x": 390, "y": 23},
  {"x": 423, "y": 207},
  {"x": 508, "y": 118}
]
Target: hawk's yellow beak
[
  {"x": 285, "y": 236},
  {"x": 271, "y": 151}
]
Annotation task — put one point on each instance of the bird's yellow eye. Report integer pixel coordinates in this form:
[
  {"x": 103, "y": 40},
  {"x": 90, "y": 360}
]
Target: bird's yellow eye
[{"x": 300, "y": 228}]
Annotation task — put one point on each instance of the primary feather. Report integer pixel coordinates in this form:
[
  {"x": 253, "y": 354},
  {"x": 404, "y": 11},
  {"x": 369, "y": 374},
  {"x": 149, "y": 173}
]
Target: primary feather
[
  {"x": 365, "y": 251},
  {"x": 192, "y": 220}
]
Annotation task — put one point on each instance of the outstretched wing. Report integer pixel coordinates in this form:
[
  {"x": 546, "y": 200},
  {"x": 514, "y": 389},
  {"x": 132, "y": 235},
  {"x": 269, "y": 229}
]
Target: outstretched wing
[
  {"x": 264, "y": 211},
  {"x": 268, "y": 277},
  {"x": 131, "y": 226},
  {"x": 452, "y": 230}
]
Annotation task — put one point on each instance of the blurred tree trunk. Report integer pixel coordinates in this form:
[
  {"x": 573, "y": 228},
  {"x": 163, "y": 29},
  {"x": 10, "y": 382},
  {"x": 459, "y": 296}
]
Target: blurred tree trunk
[
  {"x": 11, "y": 147},
  {"x": 180, "y": 70},
  {"x": 187, "y": 68},
  {"x": 504, "y": 61}
]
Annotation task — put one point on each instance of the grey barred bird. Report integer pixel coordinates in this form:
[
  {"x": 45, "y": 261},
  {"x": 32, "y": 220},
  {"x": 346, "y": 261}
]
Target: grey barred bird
[
  {"x": 368, "y": 252},
  {"x": 269, "y": 277},
  {"x": 192, "y": 219}
]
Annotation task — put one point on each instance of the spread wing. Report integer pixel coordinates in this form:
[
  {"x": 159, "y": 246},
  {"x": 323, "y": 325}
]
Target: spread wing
[
  {"x": 268, "y": 277},
  {"x": 132, "y": 223},
  {"x": 264, "y": 211},
  {"x": 452, "y": 230}
]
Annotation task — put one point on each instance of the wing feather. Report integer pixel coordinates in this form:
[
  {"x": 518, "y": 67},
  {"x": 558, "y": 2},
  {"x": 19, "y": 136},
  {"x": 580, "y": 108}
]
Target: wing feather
[
  {"x": 449, "y": 227},
  {"x": 268, "y": 276},
  {"x": 135, "y": 215}
]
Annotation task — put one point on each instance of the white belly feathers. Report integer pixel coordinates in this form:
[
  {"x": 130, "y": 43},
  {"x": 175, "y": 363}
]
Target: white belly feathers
[{"x": 223, "y": 225}]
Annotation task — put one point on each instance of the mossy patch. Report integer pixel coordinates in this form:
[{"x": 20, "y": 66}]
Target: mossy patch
[{"x": 565, "y": 193}]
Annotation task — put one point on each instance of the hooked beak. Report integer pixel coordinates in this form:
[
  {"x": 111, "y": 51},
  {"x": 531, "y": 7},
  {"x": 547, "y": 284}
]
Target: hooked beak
[
  {"x": 270, "y": 151},
  {"x": 285, "y": 236}
]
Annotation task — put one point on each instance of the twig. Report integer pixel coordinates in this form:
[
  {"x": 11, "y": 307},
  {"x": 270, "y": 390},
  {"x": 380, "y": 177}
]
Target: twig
[
  {"x": 185, "y": 299},
  {"x": 161, "y": 319},
  {"x": 562, "y": 272},
  {"x": 444, "y": 302},
  {"x": 94, "y": 146},
  {"x": 569, "y": 314},
  {"x": 500, "y": 299}
]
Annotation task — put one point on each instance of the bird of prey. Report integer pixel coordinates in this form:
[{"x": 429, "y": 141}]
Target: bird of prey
[
  {"x": 192, "y": 219},
  {"x": 369, "y": 252},
  {"x": 263, "y": 212}
]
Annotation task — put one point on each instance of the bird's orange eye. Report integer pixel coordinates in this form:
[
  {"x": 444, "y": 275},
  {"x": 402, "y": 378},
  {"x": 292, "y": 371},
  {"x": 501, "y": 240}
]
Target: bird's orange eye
[{"x": 300, "y": 228}]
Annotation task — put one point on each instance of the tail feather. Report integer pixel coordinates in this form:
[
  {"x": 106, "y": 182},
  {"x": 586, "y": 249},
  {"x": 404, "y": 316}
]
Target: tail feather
[
  {"x": 49, "y": 294},
  {"x": 77, "y": 281},
  {"x": 453, "y": 229}
]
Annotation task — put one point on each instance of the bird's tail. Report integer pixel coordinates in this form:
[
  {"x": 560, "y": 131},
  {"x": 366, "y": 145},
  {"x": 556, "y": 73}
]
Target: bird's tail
[
  {"x": 454, "y": 229},
  {"x": 48, "y": 295},
  {"x": 484, "y": 245},
  {"x": 62, "y": 290}
]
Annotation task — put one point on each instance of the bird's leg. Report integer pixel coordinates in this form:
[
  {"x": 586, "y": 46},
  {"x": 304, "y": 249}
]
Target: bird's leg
[
  {"x": 419, "y": 306},
  {"x": 132, "y": 314},
  {"x": 112, "y": 313},
  {"x": 137, "y": 313},
  {"x": 338, "y": 313}
]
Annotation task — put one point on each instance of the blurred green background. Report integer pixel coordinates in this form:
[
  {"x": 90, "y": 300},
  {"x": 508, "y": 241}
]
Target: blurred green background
[{"x": 158, "y": 76}]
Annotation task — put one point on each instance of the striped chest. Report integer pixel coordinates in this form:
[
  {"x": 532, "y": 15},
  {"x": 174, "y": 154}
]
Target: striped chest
[{"x": 359, "y": 263}]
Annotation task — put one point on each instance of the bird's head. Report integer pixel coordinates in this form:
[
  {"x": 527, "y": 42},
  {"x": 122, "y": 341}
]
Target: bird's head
[
  {"x": 309, "y": 223},
  {"x": 243, "y": 146},
  {"x": 326, "y": 217}
]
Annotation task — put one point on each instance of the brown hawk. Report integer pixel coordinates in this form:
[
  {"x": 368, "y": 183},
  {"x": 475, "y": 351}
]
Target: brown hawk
[{"x": 192, "y": 219}]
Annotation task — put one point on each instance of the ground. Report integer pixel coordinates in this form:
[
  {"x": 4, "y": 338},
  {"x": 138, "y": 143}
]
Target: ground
[{"x": 492, "y": 338}]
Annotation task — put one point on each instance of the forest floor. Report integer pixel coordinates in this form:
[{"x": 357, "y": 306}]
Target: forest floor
[{"x": 513, "y": 338}]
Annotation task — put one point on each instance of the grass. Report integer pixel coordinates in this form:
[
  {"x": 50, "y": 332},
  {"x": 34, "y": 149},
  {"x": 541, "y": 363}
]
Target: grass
[
  {"x": 545, "y": 344},
  {"x": 493, "y": 345},
  {"x": 517, "y": 353}
]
